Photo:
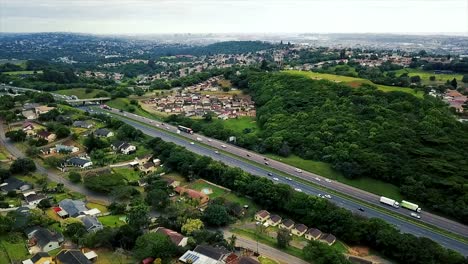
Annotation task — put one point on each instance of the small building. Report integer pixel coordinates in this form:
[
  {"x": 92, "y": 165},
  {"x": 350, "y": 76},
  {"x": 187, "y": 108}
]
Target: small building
[
  {"x": 14, "y": 184},
  {"x": 82, "y": 124},
  {"x": 29, "y": 114},
  {"x": 148, "y": 167},
  {"x": 41, "y": 239},
  {"x": 28, "y": 126},
  {"x": 39, "y": 258},
  {"x": 103, "y": 132},
  {"x": 328, "y": 238},
  {"x": 79, "y": 162},
  {"x": 192, "y": 194},
  {"x": 172, "y": 183},
  {"x": 176, "y": 238},
  {"x": 123, "y": 147},
  {"x": 72, "y": 208},
  {"x": 143, "y": 159},
  {"x": 66, "y": 149},
  {"x": 247, "y": 260},
  {"x": 33, "y": 198},
  {"x": 217, "y": 253},
  {"x": 71, "y": 256},
  {"x": 46, "y": 135},
  {"x": 274, "y": 220},
  {"x": 299, "y": 230},
  {"x": 262, "y": 215},
  {"x": 43, "y": 109},
  {"x": 313, "y": 234},
  {"x": 287, "y": 224},
  {"x": 91, "y": 223}
]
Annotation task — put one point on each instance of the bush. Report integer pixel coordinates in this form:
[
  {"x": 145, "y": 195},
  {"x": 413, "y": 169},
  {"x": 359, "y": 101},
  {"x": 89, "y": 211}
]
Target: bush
[
  {"x": 74, "y": 177},
  {"x": 104, "y": 183},
  {"x": 22, "y": 166}
]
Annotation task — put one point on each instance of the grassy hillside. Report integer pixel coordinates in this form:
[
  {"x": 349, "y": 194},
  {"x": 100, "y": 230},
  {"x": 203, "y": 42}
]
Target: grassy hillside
[
  {"x": 354, "y": 82},
  {"x": 81, "y": 92}
]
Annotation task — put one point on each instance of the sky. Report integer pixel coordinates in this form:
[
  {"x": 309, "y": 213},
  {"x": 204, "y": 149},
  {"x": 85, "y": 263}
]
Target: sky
[{"x": 234, "y": 16}]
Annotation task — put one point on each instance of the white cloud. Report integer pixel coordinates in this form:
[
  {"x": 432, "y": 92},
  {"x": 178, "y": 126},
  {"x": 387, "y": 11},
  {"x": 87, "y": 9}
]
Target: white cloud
[{"x": 241, "y": 16}]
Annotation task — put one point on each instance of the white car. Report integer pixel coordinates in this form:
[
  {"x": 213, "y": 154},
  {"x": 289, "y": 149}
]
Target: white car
[
  {"x": 289, "y": 179},
  {"x": 223, "y": 146},
  {"x": 297, "y": 190},
  {"x": 327, "y": 196},
  {"x": 209, "y": 140},
  {"x": 298, "y": 170},
  {"x": 191, "y": 143},
  {"x": 317, "y": 179},
  {"x": 327, "y": 180},
  {"x": 276, "y": 179},
  {"x": 199, "y": 139},
  {"x": 217, "y": 152},
  {"x": 415, "y": 215},
  {"x": 320, "y": 195}
]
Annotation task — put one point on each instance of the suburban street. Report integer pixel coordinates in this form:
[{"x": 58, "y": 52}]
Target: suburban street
[{"x": 166, "y": 133}]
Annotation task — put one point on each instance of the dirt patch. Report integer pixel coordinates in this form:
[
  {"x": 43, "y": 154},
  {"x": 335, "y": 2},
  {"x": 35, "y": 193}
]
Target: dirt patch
[
  {"x": 359, "y": 251},
  {"x": 354, "y": 84}
]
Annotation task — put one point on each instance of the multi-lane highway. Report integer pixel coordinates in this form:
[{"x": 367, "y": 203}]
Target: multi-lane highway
[{"x": 210, "y": 147}]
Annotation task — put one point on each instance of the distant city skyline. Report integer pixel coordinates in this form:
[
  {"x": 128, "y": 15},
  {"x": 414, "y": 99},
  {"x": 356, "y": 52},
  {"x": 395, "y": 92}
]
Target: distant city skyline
[{"x": 235, "y": 16}]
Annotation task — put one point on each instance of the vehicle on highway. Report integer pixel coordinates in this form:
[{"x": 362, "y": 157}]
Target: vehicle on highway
[
  {"x": 317, "y": 179},
  {"x": 361, "y": 209},
  {"x": 270, "y": 174},
  {"x": 297, "y": 190},
  {"x": 185, "y": 129},
  {"x": 389, "y": 201},
  {"x": 289, "y": 179},
  {"x": 217, "y": 152},
  {"x": 298, "y": 170},
  {"x": 191, "y": 143},
  {"x": 265, "y": 159},
  {"x": 320, "y": 195},
  {"x": 410, "y": 206},
  {"x": 328, "y": 180},
  {"x": 415, "y": 215},
  {"x": 209, "y": 140},
  {"x": 199, "y": 139},
  {"x": 248, "y": 155},
  {"x": 266, "y": 163},
  {"x": 223, "y": 146},
  {"x": 276, "y": 179},
  {"x": 151, "y": 121},
  {"x": 327, "y": 196}
]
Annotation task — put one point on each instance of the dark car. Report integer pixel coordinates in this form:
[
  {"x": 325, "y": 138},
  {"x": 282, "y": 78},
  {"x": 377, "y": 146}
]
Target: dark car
[
  {"x": 361, "y": 209},
  {"x": 248, "y": 155},
  {"x": 270, "y": 174},
  {"x": 265, "y": 159}
]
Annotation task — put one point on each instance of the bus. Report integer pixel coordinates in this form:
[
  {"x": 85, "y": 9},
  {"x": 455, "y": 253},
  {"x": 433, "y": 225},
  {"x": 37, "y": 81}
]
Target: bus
[{"x": 185, "y": 129}]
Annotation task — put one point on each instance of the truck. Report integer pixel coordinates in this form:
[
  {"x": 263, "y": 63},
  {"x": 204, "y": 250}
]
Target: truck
[
  {"x": 389, "y": 201},
  {"x": 185, "y": 129},
  {"x": 410, "y": 206}
]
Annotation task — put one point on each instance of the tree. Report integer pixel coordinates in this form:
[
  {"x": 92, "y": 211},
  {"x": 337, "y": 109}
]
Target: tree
[
  {"x": 415, "y": 79},
  {"x": 62, "y": 131},
  {"x": 465, "y": 78},
  {"x": 22, "y": 166},
  {"x": 453, "y": 83},
  {"x": 154, "y": 245},
  {"x": 4, "y": 174},
  {"x": 216, "y": 215},
  {"x": 92, "y": 142},
  {"x": 432, "y": 78},
  {"x": 44, "y": 204},
  {"x": 232, "y": 241},
  {"x": 16, "y": 135},
  {"x": 192, "y": 225},
  {"x": 320, "y": 253},
  {"x": 75, "y": 231},
  {"x": 283, "y": 238},
  {"x": 138, "y": 216},
  {"x": 74, "y": 177},
  {"x": 158, "y": 198}
]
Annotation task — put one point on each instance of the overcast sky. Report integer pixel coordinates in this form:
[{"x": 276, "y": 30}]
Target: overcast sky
[{"x": 234, "y": 16}]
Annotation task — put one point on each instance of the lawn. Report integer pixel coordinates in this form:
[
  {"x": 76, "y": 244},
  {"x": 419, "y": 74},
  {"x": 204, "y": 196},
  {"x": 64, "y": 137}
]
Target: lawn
[
  {"x": 425, "y": 75},
  {"x": 340, "y": 246},
  {"x": 109, "y": 257},
  {"x": 16, "y": 251},
  {"x": 199, "y": 185},
  {"x": 355, "y": 82},
  {"x": 129, "y": 173},
  {"x": 124, "y": 104},
  {"x": 111, "y": 220},
  {"x": 71, "y": 195},
  {"x": 253, "y": 208},
  {"x": 101, "y": 207},
  {"x": 265, "y": 260},
  {"x": 239, "y": 124},
  {"x": 324, "y": 169},
  {"x": 81, "y": 92},
  {"x": 20, "y": 72}
]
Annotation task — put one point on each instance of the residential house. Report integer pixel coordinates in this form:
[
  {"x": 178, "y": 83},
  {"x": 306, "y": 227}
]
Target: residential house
[
  {"x": 14, "y": 184},
  {"x": 123, "y": 147},
  {"x": 43, "y": 109},
  {"x": 328, "y": 238},
  {"x": 299, "y": 230},
  {"x": 148, "y": 167},
  {"x": 237, "y": 210},
  {"x": 71, "y": 256},
  {"x": 82, "y": 124},
  {"x": 30, "y": 106},
  {"x": 262, "y": 216},
  {"x": 39, "y": 258},
  {"x": 192, "y": 257},
  {"x": 72, "y": 208},
  {"x": 80, "y": 162},
  {"x": 313, "y": 234},
  {"x": 143, "y": 159},
  {"x": 91, "y": 223},
  {"x": 176, "y": 238},
  {"x": 247, "y": 260},
  {"x": 66, "y": 149},
  {"x": 22, "y": 217},
  {"x": 274, "y": 220},
  {"x": 29, "y": 114},
  {"x": 46, "y": 135},
  {"x": 28, "y": 128},
  {"x": 103, "y": 132},
  {"x": 287, "y": 224},
  {"x": 41, "y": 239},
  {"x": 33, "y": 198},
  {"x": 172, "y": 183},
  {"x": 192, "y": 194},
  {"x": 217, "y": 253}
]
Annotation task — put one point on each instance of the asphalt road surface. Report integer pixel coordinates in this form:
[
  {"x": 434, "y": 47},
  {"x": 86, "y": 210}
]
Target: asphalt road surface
[{"x": 165, "y": 132}]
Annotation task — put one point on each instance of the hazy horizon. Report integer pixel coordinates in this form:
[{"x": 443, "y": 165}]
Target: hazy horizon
[{"x": 143, "y": 17}]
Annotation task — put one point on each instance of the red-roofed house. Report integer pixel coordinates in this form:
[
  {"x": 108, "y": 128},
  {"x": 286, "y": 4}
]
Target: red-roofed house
[
  {"x": 192, "y": 194},
  {"x": 176, "y": 238}
]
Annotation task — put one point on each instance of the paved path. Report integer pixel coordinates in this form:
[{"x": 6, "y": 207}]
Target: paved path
[{"x": 264, "y": 250}]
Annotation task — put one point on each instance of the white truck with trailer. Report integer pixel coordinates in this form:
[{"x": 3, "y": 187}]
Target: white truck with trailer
[{"x": 389, "y": 201}]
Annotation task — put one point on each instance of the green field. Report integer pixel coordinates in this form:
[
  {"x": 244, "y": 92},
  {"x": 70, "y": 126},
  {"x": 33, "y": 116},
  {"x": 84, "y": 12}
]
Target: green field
[
  {"x": 355, "y": 82},
  {"x": 199, "y": 185},
  {"x": 324, "y": 169},
  {"x": 425, "y": 75},
  {"x": 20, "y": 72},
  {"x": 111, "y": 220},
  {"x": 124, "y": 104},
  {"x": 81, "y": 93},
  {"x": 16, "y": 251},
  {"x": 129, "y": 173},
  {"x": 239, "y": 124}
]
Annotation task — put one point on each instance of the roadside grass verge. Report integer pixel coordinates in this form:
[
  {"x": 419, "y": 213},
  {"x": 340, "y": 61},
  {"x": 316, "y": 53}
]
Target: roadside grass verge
[
  {"x": 265, "y": 260},
  {"x": 81, "y": 92}
]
